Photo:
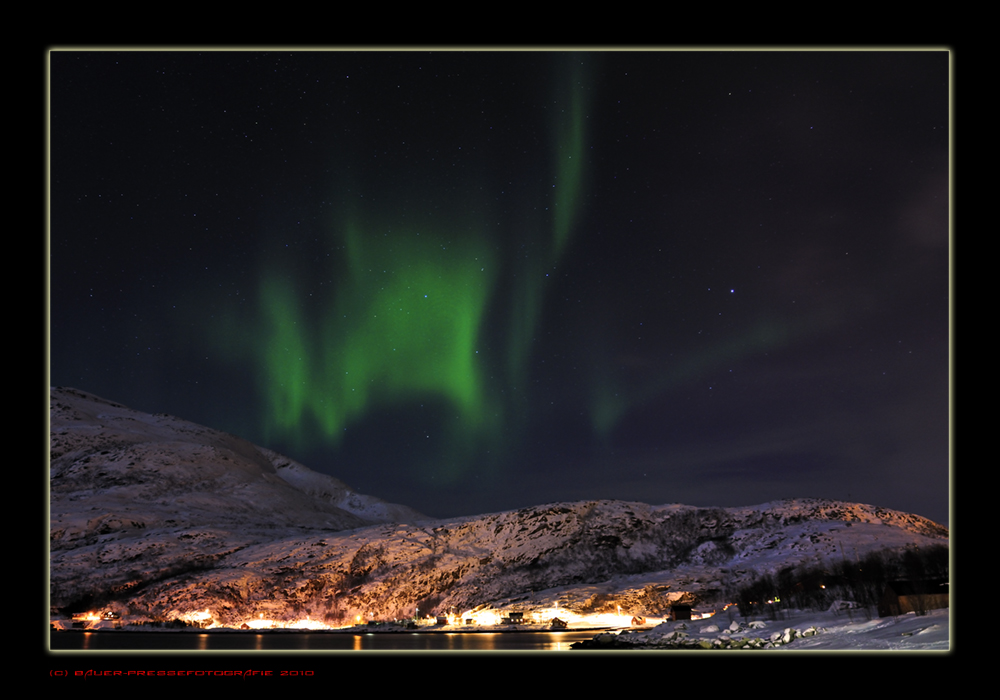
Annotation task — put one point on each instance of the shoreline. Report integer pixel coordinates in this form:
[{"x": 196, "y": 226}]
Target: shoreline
[{"x": 350, "y": 630}]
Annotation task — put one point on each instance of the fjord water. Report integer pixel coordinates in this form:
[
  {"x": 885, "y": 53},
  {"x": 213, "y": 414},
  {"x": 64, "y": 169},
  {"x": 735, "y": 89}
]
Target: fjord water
[{"x": 315, "y": 641}]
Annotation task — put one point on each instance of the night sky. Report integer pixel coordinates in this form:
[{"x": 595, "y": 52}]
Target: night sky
[{"x": 477, "y": 281}]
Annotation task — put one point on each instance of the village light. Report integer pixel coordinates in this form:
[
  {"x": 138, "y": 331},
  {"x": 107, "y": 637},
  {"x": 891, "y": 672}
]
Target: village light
[
  {"x": 309, "y": 624},
  {"x": 201, "y": 617}
]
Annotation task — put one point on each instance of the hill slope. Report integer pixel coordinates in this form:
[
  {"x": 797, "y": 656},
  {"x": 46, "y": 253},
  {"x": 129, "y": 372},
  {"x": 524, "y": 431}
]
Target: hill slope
[
  {"x": 158, "y": 518},
  {"x": 137, "y": 497}
]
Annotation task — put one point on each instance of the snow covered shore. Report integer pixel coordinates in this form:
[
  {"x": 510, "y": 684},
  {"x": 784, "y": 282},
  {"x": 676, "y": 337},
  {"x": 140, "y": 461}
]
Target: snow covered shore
[{"x": 796, "y": 631}]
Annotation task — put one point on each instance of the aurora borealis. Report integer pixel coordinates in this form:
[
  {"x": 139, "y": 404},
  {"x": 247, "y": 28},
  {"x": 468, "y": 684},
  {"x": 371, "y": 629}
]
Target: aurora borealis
[{"x": 475, "y": 281}]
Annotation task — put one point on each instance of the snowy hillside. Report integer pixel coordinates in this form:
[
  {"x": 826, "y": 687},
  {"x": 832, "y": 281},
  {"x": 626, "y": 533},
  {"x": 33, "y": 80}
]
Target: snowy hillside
[
  {"x": 135, "y": 496},
  {"x": 158, "y": 518}
]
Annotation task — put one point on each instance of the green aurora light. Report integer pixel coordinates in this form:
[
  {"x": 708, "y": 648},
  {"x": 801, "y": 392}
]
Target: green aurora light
[
  {"x": 396, "y": 317},
  {"x": 401, "y": 322}
]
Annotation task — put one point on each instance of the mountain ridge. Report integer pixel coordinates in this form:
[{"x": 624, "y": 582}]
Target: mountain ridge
[{"x": 158, "y": 517}]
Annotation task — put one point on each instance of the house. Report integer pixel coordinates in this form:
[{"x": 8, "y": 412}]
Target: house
[{"x": 514, "y": 618}]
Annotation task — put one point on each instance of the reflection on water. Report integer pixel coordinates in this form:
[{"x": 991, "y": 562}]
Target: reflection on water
[{"x": 317, "y": 641}]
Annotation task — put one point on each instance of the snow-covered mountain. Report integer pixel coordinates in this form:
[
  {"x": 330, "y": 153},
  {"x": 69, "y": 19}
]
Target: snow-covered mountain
[
  {"x": 157, "y": 517},
  {"x": 135, "y": 497}
]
